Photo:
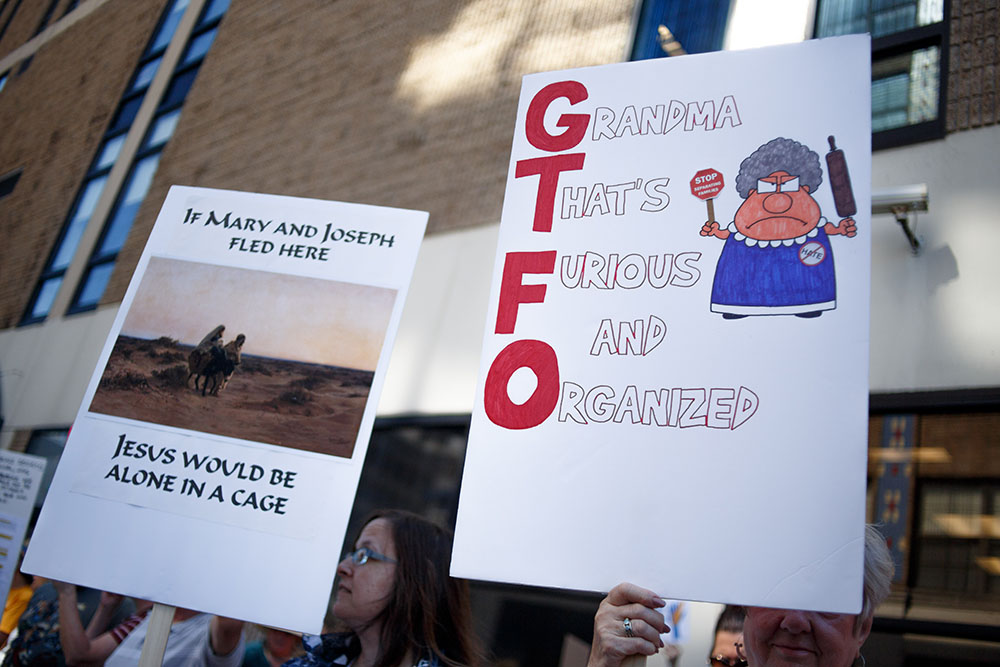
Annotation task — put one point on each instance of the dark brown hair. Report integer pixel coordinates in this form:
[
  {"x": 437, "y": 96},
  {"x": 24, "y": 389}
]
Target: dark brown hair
[
  {"x": 428, "y": 612},
  {"x": 731, "y": 619}
]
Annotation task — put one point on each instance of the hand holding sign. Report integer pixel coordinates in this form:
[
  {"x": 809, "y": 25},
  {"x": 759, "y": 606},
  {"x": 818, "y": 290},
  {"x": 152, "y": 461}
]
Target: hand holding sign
[
  {"x": 614, "y": 645},
  {"x": 706, "y": 185}
]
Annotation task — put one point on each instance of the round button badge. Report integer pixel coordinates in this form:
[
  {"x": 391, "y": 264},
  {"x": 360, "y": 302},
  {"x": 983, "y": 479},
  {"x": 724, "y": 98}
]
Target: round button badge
[{"x": 812, "y": 253}]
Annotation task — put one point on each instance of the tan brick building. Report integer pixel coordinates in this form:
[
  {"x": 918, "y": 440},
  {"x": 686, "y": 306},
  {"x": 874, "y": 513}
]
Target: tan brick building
[{"x": 412, "y": 105}]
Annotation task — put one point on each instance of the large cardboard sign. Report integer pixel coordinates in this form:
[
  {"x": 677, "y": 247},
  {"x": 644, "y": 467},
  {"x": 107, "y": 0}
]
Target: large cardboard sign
[
  {"x": 214, "y": 460},
  {"x": 673, "y": 388},
  {"x": 20, "y": 480}
]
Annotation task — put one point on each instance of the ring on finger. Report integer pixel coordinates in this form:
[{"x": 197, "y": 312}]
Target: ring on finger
[{"x": 627, "y": 624}]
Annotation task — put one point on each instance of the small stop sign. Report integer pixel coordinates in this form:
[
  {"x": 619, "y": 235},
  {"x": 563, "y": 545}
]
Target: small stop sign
[{"x": 707, "y": 184}]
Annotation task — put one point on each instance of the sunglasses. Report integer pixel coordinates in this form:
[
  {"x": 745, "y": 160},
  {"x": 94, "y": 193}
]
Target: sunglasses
[
  {"x": 361, "y": 556},
  {"x": 723, "y": 661}
]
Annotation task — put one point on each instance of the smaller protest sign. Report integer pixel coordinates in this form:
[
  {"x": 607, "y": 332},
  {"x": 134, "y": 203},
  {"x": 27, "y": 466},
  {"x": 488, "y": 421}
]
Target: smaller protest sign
[
  {"x": 223, "y": 432},
  {"x": 20, "y": 480},
  {"x": 706, "y": 185}
]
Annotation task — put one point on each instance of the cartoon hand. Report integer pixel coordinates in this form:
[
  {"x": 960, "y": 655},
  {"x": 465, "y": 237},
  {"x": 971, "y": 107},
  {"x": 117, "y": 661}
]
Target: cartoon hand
[
  {"x": 710, "y": 228},
  {"x": 847, "y": 227}
]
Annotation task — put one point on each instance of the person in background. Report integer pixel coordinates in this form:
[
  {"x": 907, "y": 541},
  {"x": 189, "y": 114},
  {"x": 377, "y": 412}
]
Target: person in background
[
  {"x": 399, "y": 604},
  {"x": 17, "y": 601},
  {"x": 93, "y": 645},
  {"x": 36, "y": 641},
  {"x": 196, "y": 640},
  {"x": 772, "y": 637},
  {"x": 728, "y": 641},
  {"x": 273, "y": 649}
]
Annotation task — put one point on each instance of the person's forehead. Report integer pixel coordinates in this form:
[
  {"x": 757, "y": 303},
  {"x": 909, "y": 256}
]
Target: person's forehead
[
  {"x": 376, "y": 533},
  {"x": 725, "y": 641}
]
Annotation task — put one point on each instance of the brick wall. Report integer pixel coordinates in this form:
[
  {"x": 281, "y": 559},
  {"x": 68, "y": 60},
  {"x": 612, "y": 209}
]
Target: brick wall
[
  {"x": 23, "y": 21},
  {"x": 974, "y": 64},
  {"x": 367, "y": 102},
  {"x": 972, "y": 440},
  {"x": 53, "y": 116}
]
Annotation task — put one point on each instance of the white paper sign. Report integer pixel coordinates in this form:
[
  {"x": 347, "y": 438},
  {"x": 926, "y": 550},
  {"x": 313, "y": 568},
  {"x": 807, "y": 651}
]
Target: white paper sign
[
  {"x": 217, "y": 451},
  {"x": 20, "y": 479},
  {"x": 673, "y": 389}
]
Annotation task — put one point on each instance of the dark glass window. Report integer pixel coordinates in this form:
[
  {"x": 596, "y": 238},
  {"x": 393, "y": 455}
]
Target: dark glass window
[
  {"x": 8, "y": 182},
  {"x": 178, "y": 89},
  {"x": 125, "y": 115},
  {"x": 97, "y": 174},
  {"x": 140, "y": 178},
  {"x": 958, "y": 538},
  {"x": 673, "y": 28},
  {"x": 909, "y": 46}
]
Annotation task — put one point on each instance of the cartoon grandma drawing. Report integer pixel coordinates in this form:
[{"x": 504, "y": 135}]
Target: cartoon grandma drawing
[{"x": 777, "y": 258}]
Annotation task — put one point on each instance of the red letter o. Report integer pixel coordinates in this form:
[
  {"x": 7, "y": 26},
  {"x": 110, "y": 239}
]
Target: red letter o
[{"x": 540, "y": 358}]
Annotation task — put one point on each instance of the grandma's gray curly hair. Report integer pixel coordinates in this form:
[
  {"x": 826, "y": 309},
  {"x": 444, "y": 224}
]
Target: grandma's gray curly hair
[{"x": 779, "y": 155}]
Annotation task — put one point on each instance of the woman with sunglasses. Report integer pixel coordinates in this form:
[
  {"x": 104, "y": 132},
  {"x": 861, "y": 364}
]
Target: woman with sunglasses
[
  {"x": 727, "y": 647},
  {"x": 400, "y": 606}
]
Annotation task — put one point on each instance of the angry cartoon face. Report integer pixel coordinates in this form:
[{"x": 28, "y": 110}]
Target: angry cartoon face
[{"x": 779, "y": 208}]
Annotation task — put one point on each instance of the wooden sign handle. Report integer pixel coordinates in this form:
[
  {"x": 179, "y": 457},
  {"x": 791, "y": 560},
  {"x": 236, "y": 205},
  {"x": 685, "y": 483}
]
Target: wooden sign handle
[
  {"x": 635, "y": 661},
  {"x": 157, "y": 631},
  {"x": 711, "y": 210}
]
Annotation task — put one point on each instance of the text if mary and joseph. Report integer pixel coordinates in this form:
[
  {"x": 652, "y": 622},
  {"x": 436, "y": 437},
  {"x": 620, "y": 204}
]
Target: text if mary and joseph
[
  {"x": 290, "y": 239},
  {"x": 682, "y": 407}
]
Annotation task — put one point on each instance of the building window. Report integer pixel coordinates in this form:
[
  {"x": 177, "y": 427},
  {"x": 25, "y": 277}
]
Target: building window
[
  {"x": 909, "y": 51},
  {"x": 97, "y": 175},
  {"x": 675, "y": 28},
  {"x": 140, "y": 177},
  {"x": 958, "y": 546},
  {"x": 70, "y": 6}
]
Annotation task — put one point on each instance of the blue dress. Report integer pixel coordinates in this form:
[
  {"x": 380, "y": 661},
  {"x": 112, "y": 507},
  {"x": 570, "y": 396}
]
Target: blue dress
[{"x": 793, "y": 277}]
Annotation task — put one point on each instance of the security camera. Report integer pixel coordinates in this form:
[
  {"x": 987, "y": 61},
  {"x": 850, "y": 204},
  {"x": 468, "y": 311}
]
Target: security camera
[
  {"x": 900, "y": 202},
  {"x": 904, "y": 198}
]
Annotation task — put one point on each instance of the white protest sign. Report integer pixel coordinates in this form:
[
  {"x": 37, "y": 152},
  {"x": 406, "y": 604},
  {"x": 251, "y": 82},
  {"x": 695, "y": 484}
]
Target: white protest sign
[
  {"x": 667, "y": 396},
  {"x": 214, "y": 461},
  {"x": 20, "y": 479}
]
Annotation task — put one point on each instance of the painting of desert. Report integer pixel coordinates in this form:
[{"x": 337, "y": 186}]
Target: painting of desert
[{"x": 271, "y": 358}]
